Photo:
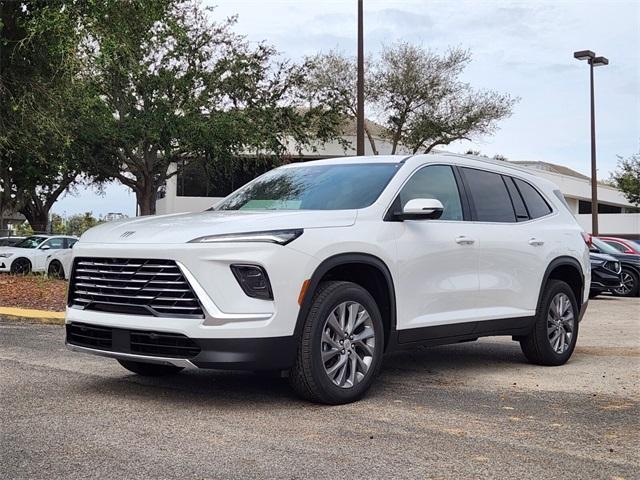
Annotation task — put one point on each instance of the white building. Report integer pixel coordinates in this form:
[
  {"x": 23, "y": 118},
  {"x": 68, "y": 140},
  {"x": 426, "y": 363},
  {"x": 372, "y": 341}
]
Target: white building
[{"x": 193, "y": 191}]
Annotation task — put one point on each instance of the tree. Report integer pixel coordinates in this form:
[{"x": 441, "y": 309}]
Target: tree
[
  {"x": 331, "y": 81},
  {"x": 47, "y": 114},
  {"x": 80, "y": 223},
  {"x": 416, "y": 94},
  {"x": 626, "y": 178},
  {"x": 182, "y": 87}
]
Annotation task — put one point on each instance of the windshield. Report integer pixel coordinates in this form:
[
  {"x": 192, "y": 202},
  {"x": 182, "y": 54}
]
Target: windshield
[
  {"x": 603, "y": 247},
  {"x": 30, "y": 242},
  {"x": 317, "y": 187}
]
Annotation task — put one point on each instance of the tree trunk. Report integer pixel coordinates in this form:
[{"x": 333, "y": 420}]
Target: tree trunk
[
  {"x": 146, "y": 199},
  {"x": 372, "y": 141},
  {"x": 38, "y": 218}
]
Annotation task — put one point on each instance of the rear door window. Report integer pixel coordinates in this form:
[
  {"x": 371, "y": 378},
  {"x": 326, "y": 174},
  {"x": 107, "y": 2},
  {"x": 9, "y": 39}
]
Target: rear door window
[{"x": 489, "y": 195}]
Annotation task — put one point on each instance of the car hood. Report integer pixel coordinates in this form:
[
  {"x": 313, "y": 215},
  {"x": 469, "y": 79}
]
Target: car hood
[
  {"x": 15, "y": 250},
  {"x": 181, "y": 228},
  {"x": 628, "y": 258}
]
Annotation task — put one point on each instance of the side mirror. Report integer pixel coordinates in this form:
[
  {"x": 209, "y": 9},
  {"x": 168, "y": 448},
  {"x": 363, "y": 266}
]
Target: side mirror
[
  {"x": 422, "y": 209},
  {"x": 45, "y": 247}
]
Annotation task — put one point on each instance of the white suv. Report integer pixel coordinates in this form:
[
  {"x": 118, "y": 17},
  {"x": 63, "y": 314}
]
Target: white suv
[{"x": 320, "y": 268}]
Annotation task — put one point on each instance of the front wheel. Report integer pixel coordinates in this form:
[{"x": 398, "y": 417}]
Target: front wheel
[
  {"x": 149, "y": 369},
  {"x": 21, "y": 266},
  {"x": 630, "y": 285},
  {"x": 555, "y": 332},
  {"x": 342, "y": 343}
]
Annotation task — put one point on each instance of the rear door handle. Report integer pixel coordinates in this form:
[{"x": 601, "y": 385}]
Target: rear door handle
[
  {"x": 464, "y": 240},
  {"x": 534, "y": 242}
]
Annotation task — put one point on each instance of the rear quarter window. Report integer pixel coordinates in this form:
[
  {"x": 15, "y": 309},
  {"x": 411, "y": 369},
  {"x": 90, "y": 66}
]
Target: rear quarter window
[{"x": 536, "y": 205}]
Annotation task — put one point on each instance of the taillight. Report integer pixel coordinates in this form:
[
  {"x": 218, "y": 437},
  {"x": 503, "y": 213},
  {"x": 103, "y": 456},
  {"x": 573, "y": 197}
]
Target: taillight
[{"x": 587, "y": 238}]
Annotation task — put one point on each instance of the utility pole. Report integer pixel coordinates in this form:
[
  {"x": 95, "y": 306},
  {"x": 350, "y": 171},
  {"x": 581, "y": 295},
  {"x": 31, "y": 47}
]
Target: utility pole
[{"x": 360, "y": 86}]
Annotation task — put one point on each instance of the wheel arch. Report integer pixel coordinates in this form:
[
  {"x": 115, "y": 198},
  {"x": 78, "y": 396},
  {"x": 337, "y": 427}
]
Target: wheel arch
[
  {"x": 366, "y": 270},
  {"x": 569, "y": 270}
]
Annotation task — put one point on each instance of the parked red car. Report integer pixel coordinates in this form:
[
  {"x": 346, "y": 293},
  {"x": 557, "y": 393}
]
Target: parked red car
[{"x": 622, "y": 244}]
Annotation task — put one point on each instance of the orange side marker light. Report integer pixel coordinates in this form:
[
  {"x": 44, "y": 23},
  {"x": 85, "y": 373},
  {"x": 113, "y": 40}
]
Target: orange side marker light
[{"x": 303, "y": 291}]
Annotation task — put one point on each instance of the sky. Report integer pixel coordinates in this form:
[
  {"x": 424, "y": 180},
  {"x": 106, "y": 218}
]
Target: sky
[{"x": 521, "y": 48}]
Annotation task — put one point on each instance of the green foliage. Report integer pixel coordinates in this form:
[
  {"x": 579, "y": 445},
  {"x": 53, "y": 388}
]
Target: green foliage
[
  {"x": 626, "y": 178},
  {"x": 23, "y": 230},
  {"x": 416, "y": 94},
  {"x": 180, "y": 86},
  {"x": 48, "y": 114},
  {"x": 73, "y": 225}
]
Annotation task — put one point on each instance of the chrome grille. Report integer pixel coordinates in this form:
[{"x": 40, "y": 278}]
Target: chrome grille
[{"x": 132, "y": 286}]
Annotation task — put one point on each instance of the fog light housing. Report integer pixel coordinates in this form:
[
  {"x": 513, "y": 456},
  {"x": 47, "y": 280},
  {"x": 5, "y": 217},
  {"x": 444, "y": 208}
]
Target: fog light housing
[{"x": 253, "y": 280}]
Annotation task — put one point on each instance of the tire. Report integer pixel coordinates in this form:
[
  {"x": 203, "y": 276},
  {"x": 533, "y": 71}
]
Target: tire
[
  {"x": 314, "y": 378},
  {"x": 543, "y": 345},
  {"x": 631, "y": 284},
  {"x": 55, "y": 270},
  {"x": 21, "y": 266},
  {"x": 149, "y": 369}
]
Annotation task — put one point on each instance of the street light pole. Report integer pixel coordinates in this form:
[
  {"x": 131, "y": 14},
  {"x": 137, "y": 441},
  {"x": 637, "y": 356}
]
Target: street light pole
[
  {"x": 360, "y": 86},
  {"x": 594, "y": 176},
  {"x": 593, "y": 62}
]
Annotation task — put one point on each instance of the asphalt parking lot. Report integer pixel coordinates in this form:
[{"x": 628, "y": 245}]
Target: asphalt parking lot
[{"x": 473, "y": 410}]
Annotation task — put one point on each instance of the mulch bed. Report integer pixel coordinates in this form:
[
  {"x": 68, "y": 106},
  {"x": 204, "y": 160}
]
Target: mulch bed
[{"x": 33, "y": 291}]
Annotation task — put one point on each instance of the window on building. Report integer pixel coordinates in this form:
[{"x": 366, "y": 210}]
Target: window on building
[
  {"x": 584, "y": 207},
  {"x": 220, "y": 178}
]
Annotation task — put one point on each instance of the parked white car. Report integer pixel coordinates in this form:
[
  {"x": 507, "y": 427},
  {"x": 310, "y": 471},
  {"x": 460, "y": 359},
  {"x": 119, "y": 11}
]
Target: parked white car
[
  {"x": 319, "y": 268},
  {"x": 30, "y": 255},
  {"x": 59, "y": 263}
]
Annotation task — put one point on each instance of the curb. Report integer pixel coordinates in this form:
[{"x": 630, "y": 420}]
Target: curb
[{"x": 31, "y": 315}]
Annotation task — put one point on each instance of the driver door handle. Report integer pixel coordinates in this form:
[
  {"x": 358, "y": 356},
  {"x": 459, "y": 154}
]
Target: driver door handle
[
  {"x": 464, "y": 240},
  {"x": 534, "y": 242}
]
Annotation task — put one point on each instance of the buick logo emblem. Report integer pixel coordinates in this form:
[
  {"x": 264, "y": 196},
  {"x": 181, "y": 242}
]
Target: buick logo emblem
[{"x": 126, "y": 234}]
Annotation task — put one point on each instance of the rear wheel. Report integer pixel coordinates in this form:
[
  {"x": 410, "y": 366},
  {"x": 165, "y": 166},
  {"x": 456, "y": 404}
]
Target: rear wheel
[
  {"x": 55, "y": 269},
  {"x": 342, "y": 343},
  {"x": 149, "y": 369},
  {"x": 555, "y": 332},
  {"x": 630, "y": 284},
  {"x": 21, "y": 266}
]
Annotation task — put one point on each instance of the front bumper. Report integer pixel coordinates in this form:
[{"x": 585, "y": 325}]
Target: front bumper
[
  {"x": 603, "y": 279},
  {"x": 228, "y": 312},
  {"x": 276, "y": 353}
]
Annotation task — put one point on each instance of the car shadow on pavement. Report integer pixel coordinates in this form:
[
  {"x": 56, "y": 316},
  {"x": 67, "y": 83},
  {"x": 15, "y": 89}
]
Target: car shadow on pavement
[{"x": 231, "y": 389}]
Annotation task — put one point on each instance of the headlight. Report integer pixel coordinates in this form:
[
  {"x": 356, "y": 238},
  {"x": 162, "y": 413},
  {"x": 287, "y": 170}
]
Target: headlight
[
  {"x": 281, "y": 237},
  {"x": 596, "y": 263},
  {"x": 6, "y": 255}
]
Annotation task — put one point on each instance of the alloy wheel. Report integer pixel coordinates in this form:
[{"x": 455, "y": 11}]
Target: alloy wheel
[
  {"x": 627, "y": 284},
  {"x": 560, "y": 323},
  {"x": 21, "y": 266},
  {"x": 347, "y": 344}
]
